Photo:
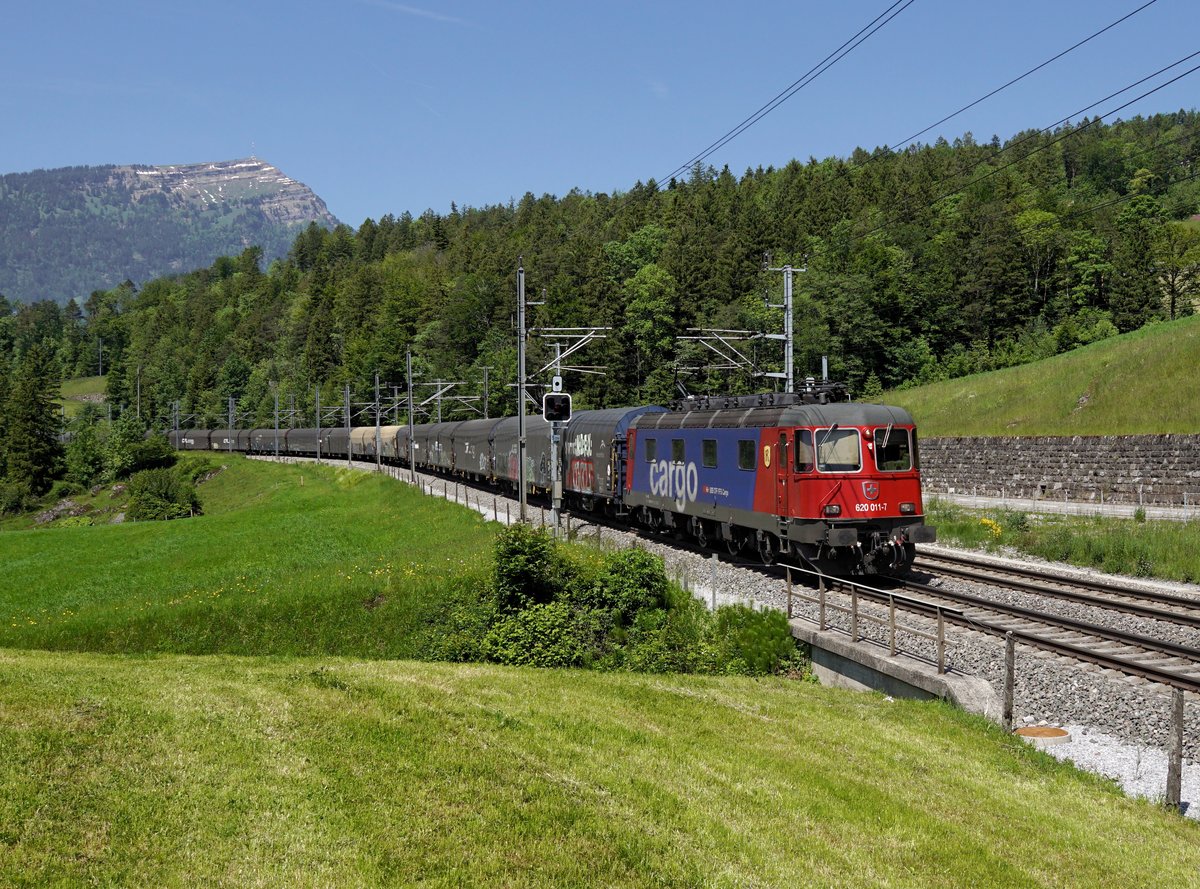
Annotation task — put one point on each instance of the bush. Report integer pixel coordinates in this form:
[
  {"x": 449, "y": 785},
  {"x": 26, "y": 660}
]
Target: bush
[
  {"x": 549, "y": 634},
  {"x": 670, "y": 640},
  {"x": 75, "y": 521},
  {"x": 153, "y": 453},
  {"x": 161, "y": 494},
  {"x": 65, "y": 488},
  {"x": 527, "y": 568},
  {"x": 15, "y": 497},
  {"x": 751, "y": 643},
  {"x": 555, "y": 607},
  {"x": 194, "y": 470},
  {"x": 628, "y": 582}
]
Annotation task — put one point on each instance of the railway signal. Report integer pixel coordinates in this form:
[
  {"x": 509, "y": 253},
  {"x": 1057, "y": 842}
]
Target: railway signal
[{"x": 556, "y": 407}]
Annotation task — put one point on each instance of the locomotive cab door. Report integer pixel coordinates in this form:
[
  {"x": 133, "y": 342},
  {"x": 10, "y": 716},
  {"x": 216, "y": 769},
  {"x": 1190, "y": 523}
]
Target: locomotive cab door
[{"x": 781, "y": 476}]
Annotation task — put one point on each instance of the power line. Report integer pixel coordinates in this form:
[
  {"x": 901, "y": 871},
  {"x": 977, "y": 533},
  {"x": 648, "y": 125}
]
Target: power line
[
  {"x": 808, "y": 77},
  {"x": 995, "y": 170},
  {"x": 1021, "y": 77}
]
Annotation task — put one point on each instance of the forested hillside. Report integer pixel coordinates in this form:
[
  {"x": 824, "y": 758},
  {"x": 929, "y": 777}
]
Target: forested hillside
[
  {"x": 925, "y": 264},
  {"x": 67, "y": 232}
]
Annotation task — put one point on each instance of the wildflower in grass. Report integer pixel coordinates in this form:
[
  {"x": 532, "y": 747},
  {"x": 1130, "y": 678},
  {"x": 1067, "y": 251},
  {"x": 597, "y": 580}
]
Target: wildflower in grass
[{"x": 993, "y": 527}]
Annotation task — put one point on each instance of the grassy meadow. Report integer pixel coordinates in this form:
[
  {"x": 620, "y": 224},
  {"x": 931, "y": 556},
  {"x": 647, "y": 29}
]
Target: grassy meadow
[
  {"x": 1138, "y": 383},
  {"x": 76, "y": 392},
  {"x": 296, "y": 560},
  {"x": 224, "y": 771}
]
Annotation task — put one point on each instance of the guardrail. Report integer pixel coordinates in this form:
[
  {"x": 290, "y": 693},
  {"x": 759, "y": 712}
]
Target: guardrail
[{"x": 893, "y": 601}]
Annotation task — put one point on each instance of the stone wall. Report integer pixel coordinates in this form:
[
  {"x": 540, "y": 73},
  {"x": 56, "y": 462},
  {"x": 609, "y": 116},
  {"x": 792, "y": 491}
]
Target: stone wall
[{"x": 1150, "y": 469}]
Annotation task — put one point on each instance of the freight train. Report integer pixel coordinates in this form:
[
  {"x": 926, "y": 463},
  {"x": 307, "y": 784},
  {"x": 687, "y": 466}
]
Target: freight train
[{"x": 836, "y": 484}]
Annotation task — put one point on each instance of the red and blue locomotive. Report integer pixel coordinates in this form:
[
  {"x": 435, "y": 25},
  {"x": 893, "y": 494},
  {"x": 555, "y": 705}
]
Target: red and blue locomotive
[{"x": 834, "y": 484}]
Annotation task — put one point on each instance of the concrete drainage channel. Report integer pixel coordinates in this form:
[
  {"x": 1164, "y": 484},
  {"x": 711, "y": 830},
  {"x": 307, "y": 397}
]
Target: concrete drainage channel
[{"x": 1113, "y": 726}]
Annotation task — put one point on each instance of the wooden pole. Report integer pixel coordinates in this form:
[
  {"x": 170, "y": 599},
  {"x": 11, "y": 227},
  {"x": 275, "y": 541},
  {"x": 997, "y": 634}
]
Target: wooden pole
[
  {"x": 713, "y": 563},
  {"x": 853, "y": 614},
  {"x": 821, "y": 594},
  {"x": 1010, "y": 673},
  {"x": 1175, "y": 751},
  {"x": 788, "y": 572},
  {"x": 941, "y": 642},
  {"x": 892, "y": 626}
]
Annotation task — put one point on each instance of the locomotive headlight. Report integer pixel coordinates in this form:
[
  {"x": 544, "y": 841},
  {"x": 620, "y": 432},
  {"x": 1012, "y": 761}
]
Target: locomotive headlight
[
  {"x": 833, "y": 510},
  {"x": 908, "y": 508}
]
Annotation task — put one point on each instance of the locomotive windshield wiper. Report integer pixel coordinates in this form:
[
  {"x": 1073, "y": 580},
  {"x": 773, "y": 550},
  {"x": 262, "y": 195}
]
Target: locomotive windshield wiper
[{"x": 828, "y": 432}]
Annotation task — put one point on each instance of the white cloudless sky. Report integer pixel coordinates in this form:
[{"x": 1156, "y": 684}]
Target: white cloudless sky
[{"x": 382, "y": 106}]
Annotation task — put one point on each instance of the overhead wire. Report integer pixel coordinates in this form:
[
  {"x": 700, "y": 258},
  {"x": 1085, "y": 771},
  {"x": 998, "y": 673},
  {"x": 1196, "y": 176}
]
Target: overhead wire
[
  {"x": 808, "y": 77},
  {"x": 1021, "y": 77},
  {"x": 996, "y": 170},
  {"x": 846, "y": 47}
]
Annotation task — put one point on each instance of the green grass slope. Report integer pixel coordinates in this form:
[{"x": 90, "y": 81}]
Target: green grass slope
[
  {"x": 286, "y": 560},
  {"x": 76, "y": 392},
  {"x": 179, "y": 771},
  {"x": 1140, "y": 382}
]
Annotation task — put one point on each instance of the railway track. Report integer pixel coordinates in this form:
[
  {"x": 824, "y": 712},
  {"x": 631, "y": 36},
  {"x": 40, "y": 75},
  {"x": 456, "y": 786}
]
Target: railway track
[
  {"x": 1155, "y": 604},
  {"x": 1132, "y": 653}
]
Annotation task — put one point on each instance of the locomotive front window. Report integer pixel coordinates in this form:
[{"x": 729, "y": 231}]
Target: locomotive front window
[
  {"x": 709, "y": 453},
  {"x": 677, "y": 450},
  {"x": 804, "y": 451},
  {"x": 747, "y": 453},
  {"x": 651, "y": 449},
  {"x": 893, "y": 452},
  {"x": 838, "y": 450}
]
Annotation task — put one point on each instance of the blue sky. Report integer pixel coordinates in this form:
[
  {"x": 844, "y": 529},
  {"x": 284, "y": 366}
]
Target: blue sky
[{"x": 383, "y": 106}]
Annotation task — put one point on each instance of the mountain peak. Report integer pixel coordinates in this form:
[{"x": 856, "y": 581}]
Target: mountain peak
[{"x": 69, "y": 231}]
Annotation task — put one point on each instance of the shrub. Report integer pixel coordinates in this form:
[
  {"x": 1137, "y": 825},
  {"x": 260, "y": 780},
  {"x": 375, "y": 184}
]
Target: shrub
[
  {"x": 161, "y": 494},
  {"x": 548, "y": 634},
  {"x": 15, "y": 497},
  {"x": 195, "y": 470},
  {"x": 65, "y": 488},
  {"x": 75, "y": 521},
  {"x": 671, "y": 640},
  {"x": 629, "y": 581},
  {"x": 153, "y": 453},
  {"x": 751, "y": 643},
  {"x": 527, "y": 569}
]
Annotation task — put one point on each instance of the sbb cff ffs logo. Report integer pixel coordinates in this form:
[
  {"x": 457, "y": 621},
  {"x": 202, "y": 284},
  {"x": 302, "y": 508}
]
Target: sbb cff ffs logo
[{"x": 556, "y": 407}]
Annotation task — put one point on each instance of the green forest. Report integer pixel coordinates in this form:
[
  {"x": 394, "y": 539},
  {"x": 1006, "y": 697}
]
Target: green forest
[{"x": 918, "y": 265}]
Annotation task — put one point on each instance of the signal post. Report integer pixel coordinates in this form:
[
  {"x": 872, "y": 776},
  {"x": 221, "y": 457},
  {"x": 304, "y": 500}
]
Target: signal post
[{"x": 556, "y": 410}]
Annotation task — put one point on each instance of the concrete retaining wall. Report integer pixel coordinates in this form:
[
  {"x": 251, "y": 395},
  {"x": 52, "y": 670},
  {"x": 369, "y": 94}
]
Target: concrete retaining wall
[
  {"x": 840, "y": 663},
  {"x": 1150, "y": 469}
]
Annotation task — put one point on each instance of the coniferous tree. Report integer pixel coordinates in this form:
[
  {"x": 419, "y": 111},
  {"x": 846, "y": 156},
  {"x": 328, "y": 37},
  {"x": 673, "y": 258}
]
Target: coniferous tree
[
  {"x": 34, "y": 453},
  {"x": 5, "y": 380}
]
